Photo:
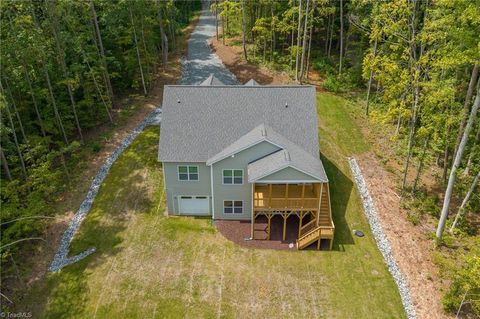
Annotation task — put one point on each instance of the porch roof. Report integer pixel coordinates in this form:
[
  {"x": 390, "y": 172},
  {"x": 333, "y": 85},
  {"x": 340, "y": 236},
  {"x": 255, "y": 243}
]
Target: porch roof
[{"x": 290, "y": 156}]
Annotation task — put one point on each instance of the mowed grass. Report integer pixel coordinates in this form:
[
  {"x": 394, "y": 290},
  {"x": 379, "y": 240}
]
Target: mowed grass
[{"x": 150, "y": 266}]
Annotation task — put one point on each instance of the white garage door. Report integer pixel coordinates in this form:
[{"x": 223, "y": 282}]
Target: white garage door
[{"x": 194, "y": 205}]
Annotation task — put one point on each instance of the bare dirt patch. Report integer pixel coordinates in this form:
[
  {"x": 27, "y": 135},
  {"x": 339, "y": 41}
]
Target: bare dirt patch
[
  {"x": 410, "y": 246},
  {"x": 232, "y": 57}
]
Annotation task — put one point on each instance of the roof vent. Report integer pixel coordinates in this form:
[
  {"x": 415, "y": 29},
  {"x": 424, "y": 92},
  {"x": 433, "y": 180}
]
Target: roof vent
[
  {"x": 264, "y": 131},
  {"x": 286, "y": 104},
  {"x": 178, "y": 101},
  {"x": 287, "y": 156}
]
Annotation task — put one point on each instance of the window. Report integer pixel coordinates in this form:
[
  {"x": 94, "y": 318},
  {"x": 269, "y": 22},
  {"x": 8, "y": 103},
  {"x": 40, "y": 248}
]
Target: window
[
  {"x": 188, "y": 173},
  {"x": 233, "y": 207},
  {"x": 233, "y": 176}
]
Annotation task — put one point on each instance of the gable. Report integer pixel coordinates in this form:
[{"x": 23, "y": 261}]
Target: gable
[{"x": 287, "y": 174}]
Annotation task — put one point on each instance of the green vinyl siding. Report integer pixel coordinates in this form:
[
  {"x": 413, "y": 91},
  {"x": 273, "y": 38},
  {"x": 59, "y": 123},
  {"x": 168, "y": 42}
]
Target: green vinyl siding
[
  {"x": 175, "y": 187},
  {"x": 237, "y": 192},
  {"x": 287, "y": 174}
]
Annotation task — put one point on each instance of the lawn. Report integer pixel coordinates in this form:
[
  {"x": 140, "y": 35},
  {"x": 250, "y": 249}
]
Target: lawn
[{"x": 147, "y": 265}]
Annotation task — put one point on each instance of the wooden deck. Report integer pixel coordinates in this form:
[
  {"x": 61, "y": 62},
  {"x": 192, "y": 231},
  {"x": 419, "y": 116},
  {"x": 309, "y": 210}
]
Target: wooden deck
[
  {"x": 310, "y": 202},
  {"x": 277, "y": 197}
]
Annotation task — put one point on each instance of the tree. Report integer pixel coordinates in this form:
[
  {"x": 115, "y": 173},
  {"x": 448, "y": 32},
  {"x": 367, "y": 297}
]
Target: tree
[
  {"x": 244, "y": 31},
  {"x": 464, "y": 202},
  {"x": 102, "y": 50},
  {"x": 456, "y": 164}
]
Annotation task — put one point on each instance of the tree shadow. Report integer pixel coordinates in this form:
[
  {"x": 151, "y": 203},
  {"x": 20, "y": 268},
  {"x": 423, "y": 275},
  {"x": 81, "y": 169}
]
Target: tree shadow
[
  {"x": 123, "y": 194},
  {"x": 340, "y": 191}
]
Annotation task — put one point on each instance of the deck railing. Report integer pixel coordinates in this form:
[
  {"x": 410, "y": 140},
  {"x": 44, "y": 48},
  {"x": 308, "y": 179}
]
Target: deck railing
[{"x": 282, "y": 203}]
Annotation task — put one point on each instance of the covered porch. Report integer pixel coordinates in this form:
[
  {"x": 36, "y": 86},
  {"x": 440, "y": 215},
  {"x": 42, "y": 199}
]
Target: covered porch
[{"x": 305, "y": 205}]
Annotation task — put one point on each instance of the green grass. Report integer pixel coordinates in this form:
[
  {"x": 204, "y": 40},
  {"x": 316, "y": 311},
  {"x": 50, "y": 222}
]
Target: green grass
[{"x": 147, "y": 265}]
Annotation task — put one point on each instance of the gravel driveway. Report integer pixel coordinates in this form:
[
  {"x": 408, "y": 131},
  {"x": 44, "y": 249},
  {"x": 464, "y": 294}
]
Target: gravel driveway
[{"x": 201, "y": 61}]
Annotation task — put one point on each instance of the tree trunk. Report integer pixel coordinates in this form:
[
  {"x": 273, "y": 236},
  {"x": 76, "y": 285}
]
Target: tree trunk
[
  {"x": 15, "y": 139},
  {"x": 309, "y": 49},
  {"x": 330, "y": 41},
  {"x": 244, "y": 30},
  {"x": 340, "y": 62},
  {"x": 466, "y": 104},
  {"x": 299, "y": 30},
  {"x": 446, "y": 156},
  {"x": 216, "y": 19},
  {"x": 145, "y": 52},
  {"x": 15, "y": 110},
  {"x": 173, "y": 28},
  {"x": 464, "y": 202},
  {"x": 35, "y": 105},
  {"x": 456, "y": 163},
  {"x": 420, "y": 164},
  {"x": 412, "y": 133},
  {"x": 472, "y": 152},
  {"x": 138, "y": 53},
  {"x": 223, "y": 31},
  {"x": 102, "y": 51},
  {"x": 163, "y": 36},
  {"x": 54, "y": 104},
  {"x": 292, "y": 60},
  {"x": 327, "y": 33},
  {"x": 97, "y": 87},
  {"x": 371, "y": 78},
  {"x": 5, "y": 164},
  {"x": 63, "y": 65},
  {"x": 304, "y": 46}
]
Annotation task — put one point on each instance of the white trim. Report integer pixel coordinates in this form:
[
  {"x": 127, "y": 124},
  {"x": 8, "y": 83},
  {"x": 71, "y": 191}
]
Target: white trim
[
  {"x": 298, "y": 169},
  {"x": 166, "y": 190},
  {"x": 210, "y": 162},
  {"x": 296, "y": 181},
  {"x": 211, "y": 191},
  {"x": 183, "y": 161},
  {"x": 233, "y": 176},
  {"x": 188, "y": 173},
  {"x": 233, "y": 207},
  {"x": 251, "y": 202},
  {"x": 179, "y": 197},
  {"x": 284, "y": 167}
]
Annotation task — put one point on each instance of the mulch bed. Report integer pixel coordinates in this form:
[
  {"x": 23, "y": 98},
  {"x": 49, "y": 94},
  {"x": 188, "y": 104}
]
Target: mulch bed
[{"x": 237, "y": 231}]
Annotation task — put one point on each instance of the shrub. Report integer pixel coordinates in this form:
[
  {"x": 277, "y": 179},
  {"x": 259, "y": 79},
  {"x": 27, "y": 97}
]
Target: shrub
[
  {"x": 332, "y": 83},
  {"x": 96, "y": 147},
  {"x": 465, "y": 281}
]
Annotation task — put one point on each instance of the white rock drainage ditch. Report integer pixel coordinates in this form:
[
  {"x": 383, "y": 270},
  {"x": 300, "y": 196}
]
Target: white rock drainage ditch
[
  {"x": 61, "y": 258},
  {"x": 381, "y": 239}
]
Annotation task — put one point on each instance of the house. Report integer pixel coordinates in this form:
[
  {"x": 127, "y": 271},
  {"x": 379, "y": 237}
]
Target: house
[{"x": 238, "y": 152}]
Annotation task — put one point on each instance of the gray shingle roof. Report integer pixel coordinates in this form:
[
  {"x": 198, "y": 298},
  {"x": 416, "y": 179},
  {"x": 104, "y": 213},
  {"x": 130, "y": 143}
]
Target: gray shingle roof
[
  {"x": 212, "y": 80},
  {"x": 290, "y": 156},
  {"x": 201, "y": 121},
  {"x": 251, "y": 82}
]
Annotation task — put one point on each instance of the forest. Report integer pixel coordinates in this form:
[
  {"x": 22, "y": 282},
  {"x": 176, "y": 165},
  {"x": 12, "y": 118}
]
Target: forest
[
  {"x": 65, "y": 65},
  {"x": 415, "y": 66}
]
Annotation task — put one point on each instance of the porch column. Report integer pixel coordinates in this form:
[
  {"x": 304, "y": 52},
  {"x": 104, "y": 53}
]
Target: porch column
[{"x": 252, "y": 222}]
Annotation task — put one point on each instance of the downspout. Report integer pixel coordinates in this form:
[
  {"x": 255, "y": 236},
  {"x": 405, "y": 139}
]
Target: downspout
[{"x": 211, "y": 191}]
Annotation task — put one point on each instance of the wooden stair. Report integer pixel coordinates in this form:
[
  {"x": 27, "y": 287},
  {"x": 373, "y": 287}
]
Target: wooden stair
[
  {"x": 315, "y": 235},
  {"x": 316, "y": 230}
]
